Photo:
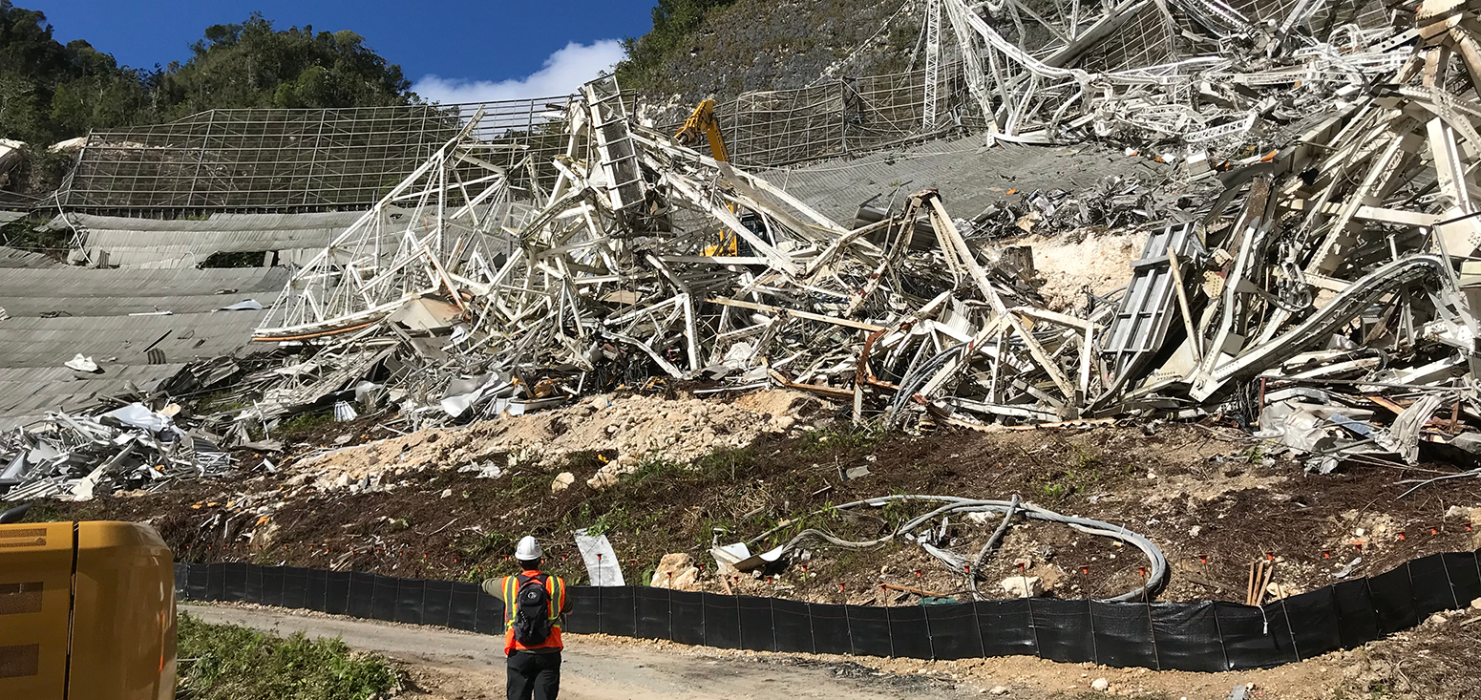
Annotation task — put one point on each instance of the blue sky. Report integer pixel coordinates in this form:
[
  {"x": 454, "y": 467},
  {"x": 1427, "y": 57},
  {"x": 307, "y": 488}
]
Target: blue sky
[{"x": 453, "y": 51}]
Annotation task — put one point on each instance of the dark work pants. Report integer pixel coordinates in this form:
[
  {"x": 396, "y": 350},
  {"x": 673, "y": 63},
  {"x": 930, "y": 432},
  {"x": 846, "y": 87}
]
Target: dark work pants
[{"x": 534, "y": 676}]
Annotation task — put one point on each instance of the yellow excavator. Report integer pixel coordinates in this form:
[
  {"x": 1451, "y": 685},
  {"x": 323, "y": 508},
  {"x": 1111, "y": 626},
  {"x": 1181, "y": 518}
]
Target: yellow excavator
[
  {"x": 703, "y": 124},
  {"x": 87, "y": 610}
]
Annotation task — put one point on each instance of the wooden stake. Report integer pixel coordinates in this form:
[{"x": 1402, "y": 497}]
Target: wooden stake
[
  {"x": 1249, "y": 585},
  {"x": 1269, "y": 571},
  {"x": 1177, "y": 284}
]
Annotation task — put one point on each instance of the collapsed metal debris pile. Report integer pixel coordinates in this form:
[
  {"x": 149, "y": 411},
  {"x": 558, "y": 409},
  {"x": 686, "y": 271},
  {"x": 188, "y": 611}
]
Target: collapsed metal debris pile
[
  {"x": 1320, "y": 293},
  {"x": 1325, "y": 274},
  {"x": 1181, "y": 72},
  {"x": 132, "y": 447}
]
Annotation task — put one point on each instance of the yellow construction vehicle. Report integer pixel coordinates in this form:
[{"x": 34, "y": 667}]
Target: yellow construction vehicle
[
  {"x": 703, "y": 124},
  {"x": 87, "y": 610}
]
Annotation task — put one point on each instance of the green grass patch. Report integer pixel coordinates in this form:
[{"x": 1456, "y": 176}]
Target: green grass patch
[
  {"x": 40, "y": 512},
  {"x": 227, "y": 662},
  {"x": 1086, "y": 474},
  {"x": 22, "y": 234},
  {"x": 865, "y": 437},
  {"x": 302, "y": 423}
]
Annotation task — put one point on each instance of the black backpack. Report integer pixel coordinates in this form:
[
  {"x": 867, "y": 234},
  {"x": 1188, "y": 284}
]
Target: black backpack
[{"x": 532, "y": 623}]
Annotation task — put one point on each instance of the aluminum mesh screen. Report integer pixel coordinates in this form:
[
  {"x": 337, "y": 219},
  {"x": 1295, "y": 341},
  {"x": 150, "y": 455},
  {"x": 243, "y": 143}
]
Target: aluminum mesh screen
[{"x": 296, "y": 159}]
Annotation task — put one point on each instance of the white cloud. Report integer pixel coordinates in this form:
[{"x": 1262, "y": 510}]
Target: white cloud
[{"x": 564, "y": 71}]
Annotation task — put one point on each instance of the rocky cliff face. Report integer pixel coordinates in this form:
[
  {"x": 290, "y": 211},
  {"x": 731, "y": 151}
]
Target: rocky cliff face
[{"x": 783, "y": 44}]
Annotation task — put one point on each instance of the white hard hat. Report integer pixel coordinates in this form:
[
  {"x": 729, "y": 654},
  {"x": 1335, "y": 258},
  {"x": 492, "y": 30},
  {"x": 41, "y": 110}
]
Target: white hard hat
[{"x": 528, "y": 550}]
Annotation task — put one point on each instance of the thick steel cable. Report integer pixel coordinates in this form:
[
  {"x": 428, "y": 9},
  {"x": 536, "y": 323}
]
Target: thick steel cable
[
  {"x": 915, "y": 379},
  {"x": 1156, "y": 579},
  {"x": 991, "y": 545}
]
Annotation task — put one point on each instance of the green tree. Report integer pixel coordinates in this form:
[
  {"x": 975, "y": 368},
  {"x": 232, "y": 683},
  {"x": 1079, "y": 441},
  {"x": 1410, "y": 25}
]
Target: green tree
[
  {"x": 100, "y": 95},
  {"x": 253, "y": 65},
  {"x": 50, "y": 92},
  {"x": 31, "y": 64}
]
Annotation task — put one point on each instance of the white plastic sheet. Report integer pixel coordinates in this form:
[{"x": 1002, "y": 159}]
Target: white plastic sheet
[
  {"x": 137, "y": 415},
  {"x": 602, "y": 566},
  {"x": 81, "y": 364},
  {"x": 244, "y": 305}
]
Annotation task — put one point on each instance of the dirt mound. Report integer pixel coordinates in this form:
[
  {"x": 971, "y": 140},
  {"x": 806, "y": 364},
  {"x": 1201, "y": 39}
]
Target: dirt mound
[
  {"x": 621, "y": 430},
  {"x": 1071, "y": 264}
]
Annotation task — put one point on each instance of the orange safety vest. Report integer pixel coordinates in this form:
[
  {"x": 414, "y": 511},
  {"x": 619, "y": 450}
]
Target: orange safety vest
[{"x": 556, "y": 587}]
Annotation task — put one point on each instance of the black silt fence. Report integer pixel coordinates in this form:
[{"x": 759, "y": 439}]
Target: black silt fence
[{"x": 1204, "y": 636}]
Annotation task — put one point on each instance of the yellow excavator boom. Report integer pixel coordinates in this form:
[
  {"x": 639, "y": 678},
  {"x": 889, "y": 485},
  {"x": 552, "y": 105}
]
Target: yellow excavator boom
[{"x": 703, "y": 123}]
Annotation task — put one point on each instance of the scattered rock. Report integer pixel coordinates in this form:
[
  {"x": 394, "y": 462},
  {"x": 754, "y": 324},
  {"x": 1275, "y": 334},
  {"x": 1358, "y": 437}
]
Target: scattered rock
[
  {"x": 1023, "y": 586},
  {"x": 629, "y": 427},
  {"x": 263, "y": 534},
  {"x": 998, "y": 690},
  {"x": 1100, "y": 684},
  {"x": 677, "y": 572},
  {"x": 562, "y": 482},
  {"x": 447, "y": 493},
  {"x": 611, "y": 472},
  {"x": 1278, "y": 590}
]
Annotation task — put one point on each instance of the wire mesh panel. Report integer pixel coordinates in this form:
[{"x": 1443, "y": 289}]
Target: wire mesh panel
[
  {"x": 1145, "y": 40},
  {"x": 1365, "y": 14},
  {"x": 328, "y": 159},
  {"x": 301, "y": 159},
  {"x": 782, "y": 127},
  {"x": 787, "y": 125}
]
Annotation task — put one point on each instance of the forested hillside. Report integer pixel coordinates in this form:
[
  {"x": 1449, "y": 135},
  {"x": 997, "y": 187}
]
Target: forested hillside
[{"x": 50, "y": 91}]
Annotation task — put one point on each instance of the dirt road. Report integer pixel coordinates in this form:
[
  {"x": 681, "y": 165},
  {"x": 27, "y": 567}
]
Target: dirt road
[{"x": 450, "y": 665}]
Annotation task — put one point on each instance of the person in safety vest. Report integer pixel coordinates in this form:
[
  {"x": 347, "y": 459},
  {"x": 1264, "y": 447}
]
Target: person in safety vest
[{"x": 534, "y": 603}]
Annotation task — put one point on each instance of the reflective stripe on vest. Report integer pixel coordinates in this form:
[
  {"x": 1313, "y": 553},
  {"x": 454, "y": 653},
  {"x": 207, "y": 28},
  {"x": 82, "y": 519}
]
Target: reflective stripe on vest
[{"x": 554, "y": 587}]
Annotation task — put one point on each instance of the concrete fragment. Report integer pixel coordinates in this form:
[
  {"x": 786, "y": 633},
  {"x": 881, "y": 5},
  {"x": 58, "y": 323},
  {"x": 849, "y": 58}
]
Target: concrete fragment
[
  {"x": 562, "y": 482},
  {"x": 1023, "y": 586}
]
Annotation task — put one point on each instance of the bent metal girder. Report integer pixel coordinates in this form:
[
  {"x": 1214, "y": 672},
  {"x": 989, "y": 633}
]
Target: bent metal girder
[
  {"x": 1039, "y": 90},
  {"x": 428, "y": 235}
]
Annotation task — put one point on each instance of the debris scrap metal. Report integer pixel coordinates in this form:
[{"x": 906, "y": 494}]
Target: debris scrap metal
[{"x": 1318, "y": 289}]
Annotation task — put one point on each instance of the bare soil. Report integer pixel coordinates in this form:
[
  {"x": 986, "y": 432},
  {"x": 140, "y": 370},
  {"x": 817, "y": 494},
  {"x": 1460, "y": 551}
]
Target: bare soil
[{"x": 1204, "y": 495}]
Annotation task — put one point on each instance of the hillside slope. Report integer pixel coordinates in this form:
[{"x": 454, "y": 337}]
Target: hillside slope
[{"x": 745, "y": 45}]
